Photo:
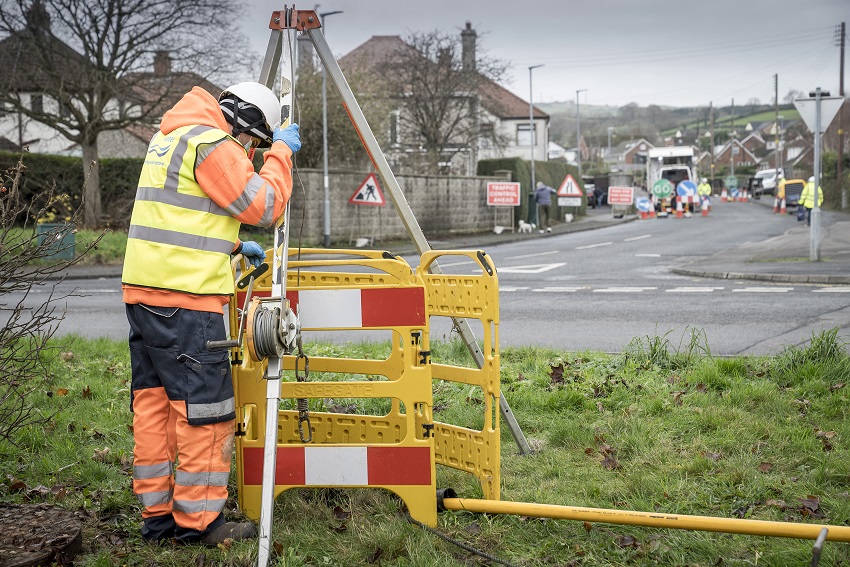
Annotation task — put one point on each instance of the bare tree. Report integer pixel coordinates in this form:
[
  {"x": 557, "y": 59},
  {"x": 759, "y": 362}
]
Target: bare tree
[
  {"x": 26, "y": 262},
  {"x": 442, "y": 97},
  {"x": 85, "y": 64}
]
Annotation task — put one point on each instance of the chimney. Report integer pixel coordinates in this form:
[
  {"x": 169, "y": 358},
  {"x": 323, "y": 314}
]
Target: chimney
[
  {"x": 467, "y": 38},
  {"x": 161, "y": 64}
]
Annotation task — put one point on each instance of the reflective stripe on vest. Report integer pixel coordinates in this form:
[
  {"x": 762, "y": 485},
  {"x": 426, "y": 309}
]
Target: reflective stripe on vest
[{"x": 179, "y": 239}]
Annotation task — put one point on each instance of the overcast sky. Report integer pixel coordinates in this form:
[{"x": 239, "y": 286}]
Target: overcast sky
[{"x": 666, "y": 52}]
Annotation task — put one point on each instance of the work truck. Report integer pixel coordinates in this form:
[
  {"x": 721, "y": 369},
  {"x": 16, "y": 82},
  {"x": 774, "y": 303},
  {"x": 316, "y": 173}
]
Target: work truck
[{"x": 671, "y": 163}]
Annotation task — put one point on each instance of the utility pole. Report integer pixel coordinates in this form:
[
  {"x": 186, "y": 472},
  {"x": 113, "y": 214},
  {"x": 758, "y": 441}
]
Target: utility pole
[
  {"x": 711, "y": 141},
  {"x": 840, "y": 172},
  {"x": 532, "y": 209},
  {"x": 732, "y": 149},
  {"x": 778, "y": 160},
  {"x": 327, "y": 226},
  {"x": 578, "y": 133}
]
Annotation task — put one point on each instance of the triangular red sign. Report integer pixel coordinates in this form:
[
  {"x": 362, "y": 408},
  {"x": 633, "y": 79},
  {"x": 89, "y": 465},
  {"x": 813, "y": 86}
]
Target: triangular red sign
[
  {"x": 369, "y": 193},
  {"x": 569, "y": 188}
]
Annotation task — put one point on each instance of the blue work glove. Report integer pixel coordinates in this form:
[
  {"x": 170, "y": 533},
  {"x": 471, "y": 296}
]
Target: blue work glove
[
  {"x": 288, "y": 136},
  {"x": 253, "y": 252}
]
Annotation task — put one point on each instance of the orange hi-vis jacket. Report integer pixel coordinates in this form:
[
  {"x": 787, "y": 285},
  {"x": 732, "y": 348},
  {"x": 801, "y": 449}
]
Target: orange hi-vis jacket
[{"x": 196, "y": 187}]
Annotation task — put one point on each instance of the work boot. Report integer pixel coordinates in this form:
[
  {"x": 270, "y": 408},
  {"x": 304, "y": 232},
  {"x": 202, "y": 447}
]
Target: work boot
[
  {"x": 237, "y": 531},
  {"x": 548, "y": 229}
]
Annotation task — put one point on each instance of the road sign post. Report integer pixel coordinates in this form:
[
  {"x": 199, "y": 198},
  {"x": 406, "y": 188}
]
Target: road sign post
[{"x": 817, "y": 112}]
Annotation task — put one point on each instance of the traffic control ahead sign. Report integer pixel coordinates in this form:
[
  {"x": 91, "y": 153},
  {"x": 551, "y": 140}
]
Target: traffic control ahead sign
[
  {"x": 621, "y": 195},
  {"x": 369, "y": 193},
  {"x": 503, "y": 194},
  {"x": 569, "y": 188}
]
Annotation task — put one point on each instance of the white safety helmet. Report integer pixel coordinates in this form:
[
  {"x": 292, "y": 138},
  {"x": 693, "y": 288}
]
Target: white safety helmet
[
  {"x": 253, "y": 108},
  {"x": 704, "y": 180},
  {"x": 812, "y": 179}
]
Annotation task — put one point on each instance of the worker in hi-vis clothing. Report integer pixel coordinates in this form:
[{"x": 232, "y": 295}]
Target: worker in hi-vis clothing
[
  {"x": 196, "y": 188},
  {"x": 704, "y": 192},
  {"x": 807, "y": 198}
]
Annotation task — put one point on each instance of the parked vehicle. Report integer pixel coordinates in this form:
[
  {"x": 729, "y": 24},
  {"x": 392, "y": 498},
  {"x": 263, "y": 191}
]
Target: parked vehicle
[
  {"x": 674, "y": 163},
  {"x": 764, "y": 182},
  {"x": 793, "y": 190}
]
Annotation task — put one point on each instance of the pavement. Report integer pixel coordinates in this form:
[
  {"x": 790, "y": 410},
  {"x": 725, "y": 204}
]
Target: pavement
[{"x": 783, "y": 259}]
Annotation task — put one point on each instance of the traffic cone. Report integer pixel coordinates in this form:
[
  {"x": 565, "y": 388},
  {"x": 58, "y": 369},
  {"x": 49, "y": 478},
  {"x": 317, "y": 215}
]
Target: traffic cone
[
  {"x": 782, "y": 207},
  {"x": 776, "y": 205},
  {"x": 704, "y": 208},
  {"x": 723, "y": 195},
  {"x": 679, "y": 212}
]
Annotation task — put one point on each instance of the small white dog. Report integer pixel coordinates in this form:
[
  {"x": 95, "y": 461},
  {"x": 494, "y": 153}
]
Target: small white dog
[{"x": 526, "y": 227}]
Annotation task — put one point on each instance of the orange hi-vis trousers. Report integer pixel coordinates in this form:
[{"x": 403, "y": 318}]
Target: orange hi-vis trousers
[{"x": 183, "y": 420}]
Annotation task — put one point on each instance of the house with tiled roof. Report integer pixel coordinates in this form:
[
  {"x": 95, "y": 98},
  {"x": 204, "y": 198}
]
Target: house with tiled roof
[
  {"x": 741, "y": 155},
  {"x": 504, "y": 127},
  {"x": 30, "y": 77},
  {"x": 629, "y": 155}
]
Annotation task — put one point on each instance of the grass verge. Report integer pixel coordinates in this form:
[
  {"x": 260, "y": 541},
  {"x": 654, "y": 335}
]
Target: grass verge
[{"x": 659, "y": 427}]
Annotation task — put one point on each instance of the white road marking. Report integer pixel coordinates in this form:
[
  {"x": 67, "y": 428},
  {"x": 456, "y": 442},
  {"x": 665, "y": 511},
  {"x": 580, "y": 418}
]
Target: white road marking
[
  {"x": 647, "y": 255},
  {"x": 692, "y": 289},
  {"x": 531, "y": 255},
  {"x": 633, "y": 238},
  {"x": 571, "y": 289},
  {"x": 530, "y": 269},
  {"x": 763, "y": 290},
  {"x": 832, "y": 290},
  {"x": 506, "y": 288},
  {"x": 594, "y": 245},
  {"x": 623, "y": 289}
]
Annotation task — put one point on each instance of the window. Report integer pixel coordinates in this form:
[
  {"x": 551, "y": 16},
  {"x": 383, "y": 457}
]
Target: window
[
  {"x": 37, "y": 103},
  {"x": 524, "y": 134},
  {"x": 486, "y": 135},
  {"x": 394, "y": 128}
]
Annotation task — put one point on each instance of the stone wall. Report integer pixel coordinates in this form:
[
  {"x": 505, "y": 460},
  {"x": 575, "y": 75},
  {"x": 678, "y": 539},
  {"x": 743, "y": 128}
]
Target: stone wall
[{"x": 442, "y": 206}]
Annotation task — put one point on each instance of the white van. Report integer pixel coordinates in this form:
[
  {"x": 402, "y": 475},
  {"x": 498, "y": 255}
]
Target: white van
[{"x": 764, "y": 181}]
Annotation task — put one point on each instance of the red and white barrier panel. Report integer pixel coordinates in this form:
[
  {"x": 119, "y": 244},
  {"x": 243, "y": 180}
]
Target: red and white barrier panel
[
  {"x": 355, "y": 308},
  {"x": 342, "y": 466}
]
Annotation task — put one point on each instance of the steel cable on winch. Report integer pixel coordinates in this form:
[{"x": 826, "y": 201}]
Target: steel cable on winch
[{"x": 302, "y": 404}]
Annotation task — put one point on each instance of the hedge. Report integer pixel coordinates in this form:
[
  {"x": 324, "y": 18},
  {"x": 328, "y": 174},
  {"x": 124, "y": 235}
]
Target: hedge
[{"x": 119, "y": 178}]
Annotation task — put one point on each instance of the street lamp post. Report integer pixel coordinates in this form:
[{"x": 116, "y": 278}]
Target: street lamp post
[
  {"x": 610, "y": 129},
  {"x": 327, "y": 232},
  {"x": 578, "y": 132},
  {"x": 532, "y": 210}
]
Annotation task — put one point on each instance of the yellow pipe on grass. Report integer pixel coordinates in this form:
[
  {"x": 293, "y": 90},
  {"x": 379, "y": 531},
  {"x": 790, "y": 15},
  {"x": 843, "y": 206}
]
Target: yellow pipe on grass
[{"x": 653, "y": 519}]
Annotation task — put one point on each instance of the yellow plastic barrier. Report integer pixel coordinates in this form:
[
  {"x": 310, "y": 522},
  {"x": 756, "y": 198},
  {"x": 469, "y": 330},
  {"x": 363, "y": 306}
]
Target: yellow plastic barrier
[{"x": 396, "y": 451}]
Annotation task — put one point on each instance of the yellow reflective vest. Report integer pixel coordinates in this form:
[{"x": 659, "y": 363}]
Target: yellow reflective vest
[
  {"x": 807, "y": 197},
  {"x": 179, "y": 239},
  {"x": 704, "y": 189}
]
